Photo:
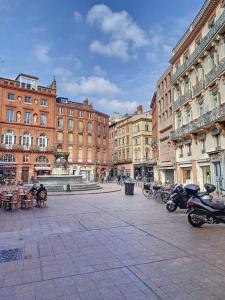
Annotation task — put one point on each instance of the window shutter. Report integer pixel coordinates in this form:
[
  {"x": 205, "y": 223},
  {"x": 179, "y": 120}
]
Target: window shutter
[
  {"x": 32, "y": 140},
  {"x": 20, "y": 140},
  {"x": 2, "y": 138},
  {"x": 37, "y": 141},
  {"x": 14, "y": 139}
]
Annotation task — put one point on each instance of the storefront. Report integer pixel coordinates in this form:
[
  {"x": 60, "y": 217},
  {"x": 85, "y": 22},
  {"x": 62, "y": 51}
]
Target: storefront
[
  {"x": 42, "y": 170},
  {"x": 8, "y": 173},
  {"x": 184, "y": 174},
  {"x": 167, "y": 174},
  {"x": 142, "y": 171},
  {"x": 217, "y": 170},
  {"x": 204, "y": 174},
  {"x": 86, "y": 174}
]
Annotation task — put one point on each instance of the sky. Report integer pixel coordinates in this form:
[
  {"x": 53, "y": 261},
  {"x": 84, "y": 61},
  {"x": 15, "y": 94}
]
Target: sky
[{"x": 111, "y": 52}]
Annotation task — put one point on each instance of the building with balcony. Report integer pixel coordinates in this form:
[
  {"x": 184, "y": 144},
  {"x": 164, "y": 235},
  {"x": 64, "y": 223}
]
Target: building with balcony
[
  {"x": 166, "y": 158},
  {"x": 27, "y": 128},
  {"x": 82, "y": 135},
  {"x": 130, "y": 144},
  {"x": 198, "y": 64},
  {"x": 155, "y": 140}
]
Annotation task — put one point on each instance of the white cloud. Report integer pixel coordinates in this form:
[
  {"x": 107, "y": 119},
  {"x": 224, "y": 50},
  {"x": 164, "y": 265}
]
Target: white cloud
[
  {"x": 93, "y": 85},
  {"x": 62, "y": 72},
  {"x": 125, "y": 36},
  {"x": 42, "y": 53},
  {"x": 98, "y": 71},
  {"x": 114, "y": 105},
  {"x": 77, "y": 16}
]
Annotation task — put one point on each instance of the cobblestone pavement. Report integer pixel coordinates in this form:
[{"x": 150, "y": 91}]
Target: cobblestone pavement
[{"x": 109, "y": 246}]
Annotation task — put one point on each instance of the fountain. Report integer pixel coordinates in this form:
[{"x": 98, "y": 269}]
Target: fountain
[{"x": 61, "y": 181}]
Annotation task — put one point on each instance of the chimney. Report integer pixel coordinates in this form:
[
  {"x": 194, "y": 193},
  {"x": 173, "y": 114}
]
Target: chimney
[
  {"x": 139, "y": 109},
  {"x": 85, "y": 102}
]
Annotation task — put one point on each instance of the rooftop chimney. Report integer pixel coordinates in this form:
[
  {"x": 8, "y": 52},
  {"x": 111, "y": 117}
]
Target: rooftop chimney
[{"x": 139, "y": 109}]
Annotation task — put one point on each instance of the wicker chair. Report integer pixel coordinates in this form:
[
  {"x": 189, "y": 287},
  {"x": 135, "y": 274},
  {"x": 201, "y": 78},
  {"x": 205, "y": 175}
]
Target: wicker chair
[
  {"x": 41, "y": 199},
  {"x": 27, "y": 201},
  {"x": 14, "y": 201}
]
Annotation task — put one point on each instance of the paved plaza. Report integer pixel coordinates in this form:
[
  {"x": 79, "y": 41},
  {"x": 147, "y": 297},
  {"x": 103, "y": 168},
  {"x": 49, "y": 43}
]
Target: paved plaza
[{"x": 109, "y": 246}]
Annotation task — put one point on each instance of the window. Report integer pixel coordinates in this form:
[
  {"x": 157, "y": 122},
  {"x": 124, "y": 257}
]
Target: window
[
  {"x": 147, "y": 154},
  {"x": 59, "y": 137},
  {"x": 70, "y": 151},
  {"x": 26, "y": 158},
  {"x": 212, "y": 22},
  {"x": 42, "y": 159},
  {"x": 25, "y": 139},
  {"x": 89, "y": 155},
  {"x": 146, "y": 127},
  {"x": 7, "y": 158},
  {"x": 9, "y": 138},
  {"x": 80, "y": 139},
  {"x": 27, "y": 99},
  {"x": 27, "y": 117},
  {"x": 180, "y": 149},
  {"x": 89, "y": 115},
  {"x": 10, "y": 96},
  {"x": 104, "y": 131},
  {"x": 147, "y": 141},
  {"x": 198, "y": 42},
  {"x": 189, "y": 115},
  {"x": 43, "y": 102},
  {"x": 80, "y": 154},
  {"x": 188, "y": 149},
  {"x": 70, "y": 124},
  {"x": 42, "y": 141},
  {"x": 80, "y": 126},
  {"x": 214, "y": 100},
  {"x": 60, "y": 110},
  {"x": 201, "y": 108},
  {"x": 217, "y": 141},
  {"x": 89, "y": 127},
  {"x": 99, "y": 129},
  {"x": 43, "y": 120},
  {"x": 9, "y": 115},
  {"x": 70, "y": 138},
  {"x": 60, "y": 122},
  {"x": 89, "y": 140},
  {"x": 203, "y": 146},
  {"x": 70, "y": 112},
  {"x": 80, "y": 114}
]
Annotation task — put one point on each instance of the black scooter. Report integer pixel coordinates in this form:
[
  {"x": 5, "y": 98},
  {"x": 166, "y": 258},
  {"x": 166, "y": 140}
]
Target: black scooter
[
  {"x": 180, "y": 196},
  {"x": 204, "y": 211}
]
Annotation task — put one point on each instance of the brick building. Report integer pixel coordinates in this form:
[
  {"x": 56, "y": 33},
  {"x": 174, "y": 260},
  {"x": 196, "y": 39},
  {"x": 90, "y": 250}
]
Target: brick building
[
  {"x": 38, "y": 132},
  {"x": 82, "y": 136},
  {"x": 154, "y": 143}
]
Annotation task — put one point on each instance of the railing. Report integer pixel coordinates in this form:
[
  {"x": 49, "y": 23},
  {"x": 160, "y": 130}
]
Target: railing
[
  {"x": 197, "y": 88},
  {"x": 205, "y": 41},
  {"x": 204, "y": 120},
  {"x": 182, "y": 100},
  {"x": 215, "y": 72},
  {"x": 26, "y": 148}
]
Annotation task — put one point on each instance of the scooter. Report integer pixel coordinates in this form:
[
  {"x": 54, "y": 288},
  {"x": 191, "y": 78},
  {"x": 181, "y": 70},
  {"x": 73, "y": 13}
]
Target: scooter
[
  {"x": 177, "y": 199},
  {"x": 180, "y": 196},
  {"x": 204, "y": 211}
]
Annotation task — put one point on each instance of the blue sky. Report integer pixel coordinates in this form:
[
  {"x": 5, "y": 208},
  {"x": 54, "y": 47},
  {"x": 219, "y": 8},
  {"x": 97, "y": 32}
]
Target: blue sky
[{"x": 111, "y": 51}]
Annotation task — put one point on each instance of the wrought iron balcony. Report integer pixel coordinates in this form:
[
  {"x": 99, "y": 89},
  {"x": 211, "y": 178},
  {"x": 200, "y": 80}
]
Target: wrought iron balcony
[
  {"x": 215, "y": 72},
  {"x": 203, "y": 121},
  {"x": 27, "y": 149},
  {"x": 197, "y": 88},
  {"x": 183, "y": 99},
  {"x": 205, "y": 41}
]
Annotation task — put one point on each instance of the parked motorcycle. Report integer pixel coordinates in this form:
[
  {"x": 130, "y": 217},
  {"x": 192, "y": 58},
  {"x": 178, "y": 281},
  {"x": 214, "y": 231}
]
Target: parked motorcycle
[
  {"x": 204, "y": 211},
  {"x": 180, "y": 196}
]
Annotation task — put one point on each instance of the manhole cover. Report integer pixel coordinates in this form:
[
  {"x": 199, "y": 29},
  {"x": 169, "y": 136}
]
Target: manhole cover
[{"x": 11, "y": 255}]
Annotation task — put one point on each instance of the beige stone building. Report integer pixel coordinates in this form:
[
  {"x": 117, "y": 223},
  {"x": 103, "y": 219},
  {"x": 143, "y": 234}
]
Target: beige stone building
[
  {"x": 130, "y": 144},
  {"x": 198, "y": 64},
  {"x": 166, "y": 158}
]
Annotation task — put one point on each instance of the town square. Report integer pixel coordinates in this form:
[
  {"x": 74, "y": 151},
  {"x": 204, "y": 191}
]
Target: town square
[{"x": 112, "y": 149}]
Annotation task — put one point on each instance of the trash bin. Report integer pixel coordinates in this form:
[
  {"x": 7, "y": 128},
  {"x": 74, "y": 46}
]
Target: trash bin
[{"x": 129, "y": 188}]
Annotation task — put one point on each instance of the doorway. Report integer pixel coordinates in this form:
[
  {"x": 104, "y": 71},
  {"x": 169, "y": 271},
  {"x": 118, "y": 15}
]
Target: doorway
[
  {"x": 25, "y": 175},
  {"x": 218, "y": 179}
]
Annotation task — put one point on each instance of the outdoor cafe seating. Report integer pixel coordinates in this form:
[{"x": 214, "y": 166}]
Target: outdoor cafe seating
[{"x": 12, "y": 198}]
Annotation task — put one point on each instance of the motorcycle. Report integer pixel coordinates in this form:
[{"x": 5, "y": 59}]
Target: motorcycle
[
  {"x": 180, "y": 196},
  {"x": 204, "y": 211}
]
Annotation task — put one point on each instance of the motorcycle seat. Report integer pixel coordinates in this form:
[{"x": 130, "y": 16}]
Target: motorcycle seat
[{"x": 219, "y": 206}]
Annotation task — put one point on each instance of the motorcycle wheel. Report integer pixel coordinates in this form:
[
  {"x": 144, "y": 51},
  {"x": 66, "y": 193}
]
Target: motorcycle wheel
[
  {"x": 171, "y": 207},
  {"x": 195, "y": 222}
]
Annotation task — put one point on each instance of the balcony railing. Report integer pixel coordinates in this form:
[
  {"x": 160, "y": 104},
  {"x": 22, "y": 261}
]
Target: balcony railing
[
  {"x": 182, "y": 100},
  {"x": 204, "y": 120},
  {"x": 205, "y": 41},
  {"x": 197, "y": 88},
  {"x": 30, "y": 149},
  {"x": 215, "y": 72}
]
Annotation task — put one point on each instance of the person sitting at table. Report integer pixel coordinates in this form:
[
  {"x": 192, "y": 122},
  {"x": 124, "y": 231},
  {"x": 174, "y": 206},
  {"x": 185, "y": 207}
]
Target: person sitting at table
[{"x": 41, "y": 195}]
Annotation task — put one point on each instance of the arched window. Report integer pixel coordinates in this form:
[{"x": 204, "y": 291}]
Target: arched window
[
  {"x": 7, "y": 158},
  {"x": 42, "y": 141},
  {"x": 9, "y": 138},
  {"x": 42, "y": 159},
  {"x": 26, "y": 139}
]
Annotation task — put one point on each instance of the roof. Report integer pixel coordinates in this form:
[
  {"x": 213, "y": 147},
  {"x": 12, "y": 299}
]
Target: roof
[{"x": 26, "y": 75}]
